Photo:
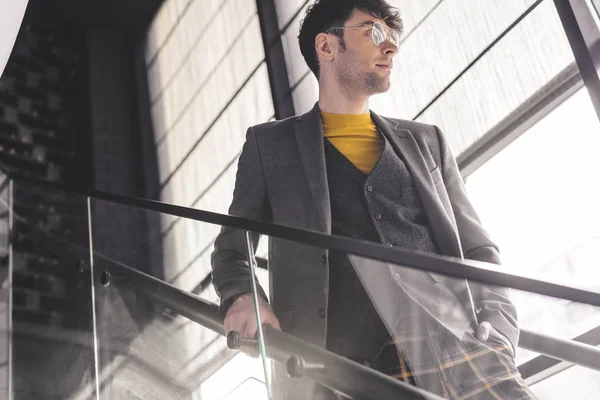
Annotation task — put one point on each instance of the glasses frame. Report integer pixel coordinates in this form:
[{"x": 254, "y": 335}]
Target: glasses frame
[{"x": 387, "y": 31}]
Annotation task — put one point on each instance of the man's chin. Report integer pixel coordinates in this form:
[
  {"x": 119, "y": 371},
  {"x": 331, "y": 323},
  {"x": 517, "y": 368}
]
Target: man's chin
[
  {"x": 386, "y": 86},
  {"x": 376, "y": 84},
  {"x": 382, "y": 87}
]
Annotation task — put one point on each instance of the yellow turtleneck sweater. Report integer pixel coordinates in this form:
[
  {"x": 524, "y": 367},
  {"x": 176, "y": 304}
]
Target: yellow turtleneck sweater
[{"x": 355, "y": 136}]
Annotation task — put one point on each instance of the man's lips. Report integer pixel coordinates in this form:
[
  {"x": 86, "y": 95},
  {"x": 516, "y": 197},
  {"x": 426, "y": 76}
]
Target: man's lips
[{"x": 386, "y": 66}]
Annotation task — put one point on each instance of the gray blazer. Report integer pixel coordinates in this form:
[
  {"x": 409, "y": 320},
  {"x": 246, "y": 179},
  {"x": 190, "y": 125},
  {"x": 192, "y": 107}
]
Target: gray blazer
[{"x": 282, "y": 178}]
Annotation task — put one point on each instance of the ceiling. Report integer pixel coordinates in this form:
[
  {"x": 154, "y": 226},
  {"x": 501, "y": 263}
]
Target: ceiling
[{"x": 128, "y": 15}]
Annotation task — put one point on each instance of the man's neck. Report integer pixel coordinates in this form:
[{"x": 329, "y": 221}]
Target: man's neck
[{"x": 333, "y": 100}]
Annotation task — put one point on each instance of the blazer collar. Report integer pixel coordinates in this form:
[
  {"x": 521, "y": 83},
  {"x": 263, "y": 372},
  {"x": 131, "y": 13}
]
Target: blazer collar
[
  {"x": 389, "y": 126},
  {"x": 309, "y": 138}
]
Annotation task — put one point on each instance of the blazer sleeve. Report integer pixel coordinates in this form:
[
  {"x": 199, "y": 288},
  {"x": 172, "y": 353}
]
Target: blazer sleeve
[
  {"x": 492, "y": 303},
  {"x": 230, "y": 269}
]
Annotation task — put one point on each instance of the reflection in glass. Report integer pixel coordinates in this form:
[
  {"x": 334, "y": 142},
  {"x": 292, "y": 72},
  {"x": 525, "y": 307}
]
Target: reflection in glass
[
  {"x": 430, "y": 326},
  {"x": 53, "y": 338},
  {"x": 138, "y": 357}
]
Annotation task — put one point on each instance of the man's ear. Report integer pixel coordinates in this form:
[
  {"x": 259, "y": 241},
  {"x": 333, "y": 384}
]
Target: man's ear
[{"x": 325, "y": 46}]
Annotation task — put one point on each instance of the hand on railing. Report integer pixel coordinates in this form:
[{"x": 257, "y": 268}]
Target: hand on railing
[{"x": 241, "y": 317}]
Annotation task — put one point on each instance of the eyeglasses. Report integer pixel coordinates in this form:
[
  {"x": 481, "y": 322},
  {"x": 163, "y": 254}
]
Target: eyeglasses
[{"x": 379, "y": 33}]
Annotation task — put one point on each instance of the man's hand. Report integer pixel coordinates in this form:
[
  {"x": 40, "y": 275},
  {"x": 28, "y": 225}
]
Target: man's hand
[
  {"x": 241, "y": 316},
  {"x": 485, "y": 330}
]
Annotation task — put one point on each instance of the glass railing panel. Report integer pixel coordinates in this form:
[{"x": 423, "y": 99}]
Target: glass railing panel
[
  {"x": 571, "y": 323},
  {"x": 441, "y": 340},
  {"x": 52, "y": 315},
  {"x": 249, "y": 389},
  {"x": 138, "y": 335},
  {"x": 421, "y": 327},
  {"x": 258, "y": 266},
  {"x": 5, "y": 285},
  {"x": 218, "y": 386},
  {"x": 558, "y": 318},
  {"x": 146, "y": 350},
  {"x": 574, "y": 382}
]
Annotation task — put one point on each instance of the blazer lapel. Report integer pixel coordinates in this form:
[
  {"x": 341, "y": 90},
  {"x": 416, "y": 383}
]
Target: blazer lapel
[
  {"x": 406, "y": 147},
  {"x": 309, "y": 138}
]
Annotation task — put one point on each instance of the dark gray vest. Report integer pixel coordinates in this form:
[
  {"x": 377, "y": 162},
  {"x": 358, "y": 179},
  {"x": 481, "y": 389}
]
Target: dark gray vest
[{"x": 381, "y": 207}]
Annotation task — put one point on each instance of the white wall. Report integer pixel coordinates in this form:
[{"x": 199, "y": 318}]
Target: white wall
[
  {"x": 11, "y": 16},
  {"x": 208, "y": 83}
]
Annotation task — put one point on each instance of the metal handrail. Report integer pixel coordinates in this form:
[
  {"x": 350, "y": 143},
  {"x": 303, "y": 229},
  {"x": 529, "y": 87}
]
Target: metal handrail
[
  {"x": 542, "y": 366},
  {"x": 565, "y": 350},
  {"x": 463, "y": 269}
]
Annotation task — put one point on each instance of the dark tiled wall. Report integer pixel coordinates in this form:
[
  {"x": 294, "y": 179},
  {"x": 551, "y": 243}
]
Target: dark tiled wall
[
  {"x": 40, "y": 100},
  {"x": 42, "y": 135}
]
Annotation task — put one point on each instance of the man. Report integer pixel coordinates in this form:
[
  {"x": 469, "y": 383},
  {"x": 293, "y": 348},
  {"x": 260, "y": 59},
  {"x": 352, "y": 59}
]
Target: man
[{"x": 343, "y": 170}]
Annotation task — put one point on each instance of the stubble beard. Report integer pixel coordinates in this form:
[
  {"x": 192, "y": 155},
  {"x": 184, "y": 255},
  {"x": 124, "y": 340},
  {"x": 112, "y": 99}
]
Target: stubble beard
[
  {"x": 375, "y": 84},
  {"x": 355, "y": 82}
]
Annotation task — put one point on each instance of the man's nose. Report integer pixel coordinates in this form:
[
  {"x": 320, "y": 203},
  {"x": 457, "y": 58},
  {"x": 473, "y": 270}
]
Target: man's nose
[{"x": 390, "y": 48}]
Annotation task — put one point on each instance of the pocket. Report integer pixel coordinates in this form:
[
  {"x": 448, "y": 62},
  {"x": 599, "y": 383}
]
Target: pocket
[
  {"x": 436, "y": 174},
  {"x": 500, "y": 343}
]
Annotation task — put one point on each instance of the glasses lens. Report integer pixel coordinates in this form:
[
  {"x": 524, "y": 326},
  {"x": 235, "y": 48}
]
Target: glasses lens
[
  {"x": 378, "y": 33},
  {"x": 395, "y": 37}
]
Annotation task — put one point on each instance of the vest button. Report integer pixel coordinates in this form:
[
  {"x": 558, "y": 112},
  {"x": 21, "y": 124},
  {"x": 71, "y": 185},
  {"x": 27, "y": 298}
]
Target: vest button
[
  {"x": 369, "y": 188},
  {"x": 377, "y": 216},
  {"x": 321, "y": 313}
]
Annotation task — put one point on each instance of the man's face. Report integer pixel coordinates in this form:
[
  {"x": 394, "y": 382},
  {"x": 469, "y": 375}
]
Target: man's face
[{"x": 363, "y": 68}]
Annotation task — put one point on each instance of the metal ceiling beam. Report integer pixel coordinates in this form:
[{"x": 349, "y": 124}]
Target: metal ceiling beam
[
  {"x": 581, "y": 24},
  {"x": 275, "y": 58}
]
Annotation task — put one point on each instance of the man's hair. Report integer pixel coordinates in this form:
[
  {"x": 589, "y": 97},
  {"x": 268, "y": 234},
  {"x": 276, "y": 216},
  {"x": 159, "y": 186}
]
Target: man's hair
[{"x": 325, "y": 14}]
